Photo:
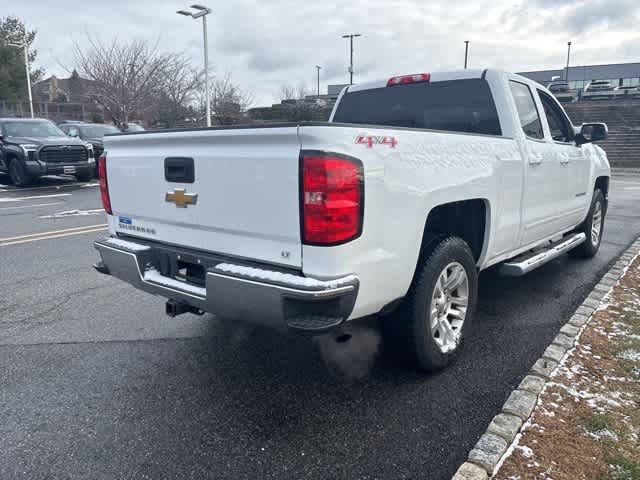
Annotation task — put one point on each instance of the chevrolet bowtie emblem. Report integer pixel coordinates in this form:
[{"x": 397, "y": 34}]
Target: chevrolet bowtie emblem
[{"x": 181, "y": 198}]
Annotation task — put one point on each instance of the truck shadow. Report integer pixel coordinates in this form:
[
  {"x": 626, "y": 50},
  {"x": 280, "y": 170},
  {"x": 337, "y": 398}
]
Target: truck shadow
[{"x": 286, "y": 385}]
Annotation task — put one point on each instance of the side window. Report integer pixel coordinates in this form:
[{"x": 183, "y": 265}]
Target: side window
[
  {"x": 559, "y": 124},
  {"x": 527, "y": 110}
]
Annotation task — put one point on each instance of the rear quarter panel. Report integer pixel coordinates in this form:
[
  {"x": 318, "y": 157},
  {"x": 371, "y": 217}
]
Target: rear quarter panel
[{"x": 402, "y": 184}]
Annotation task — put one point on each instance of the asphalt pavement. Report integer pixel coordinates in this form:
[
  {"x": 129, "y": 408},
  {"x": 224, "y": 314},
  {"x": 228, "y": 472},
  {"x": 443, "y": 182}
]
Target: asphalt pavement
[{"x": 96, "y": 382}]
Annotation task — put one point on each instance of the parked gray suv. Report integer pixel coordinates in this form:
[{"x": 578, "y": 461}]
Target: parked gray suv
[{"x": 34, "y": 147}]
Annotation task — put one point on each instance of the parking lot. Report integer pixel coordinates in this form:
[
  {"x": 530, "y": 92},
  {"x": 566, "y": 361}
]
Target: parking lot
[{"x": 98, "y": 383}]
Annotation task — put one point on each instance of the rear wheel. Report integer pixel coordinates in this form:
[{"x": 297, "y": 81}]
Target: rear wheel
[
  {"x": 592, "y": 227},
  {"x": 440, "y": 305},
  {"x": 18, "y": 173}
]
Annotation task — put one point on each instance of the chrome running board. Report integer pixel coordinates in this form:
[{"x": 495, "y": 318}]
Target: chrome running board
[{"x": 531, "y": 260}]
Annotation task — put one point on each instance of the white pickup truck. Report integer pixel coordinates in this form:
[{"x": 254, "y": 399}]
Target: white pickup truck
[{"x": 416, "y": 184}]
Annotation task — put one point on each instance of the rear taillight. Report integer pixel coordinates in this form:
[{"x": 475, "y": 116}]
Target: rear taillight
[
  {"x": 104, "y": 184},
  {"x": 332, "y": 198},
  {"x": 404, "y": 79}
]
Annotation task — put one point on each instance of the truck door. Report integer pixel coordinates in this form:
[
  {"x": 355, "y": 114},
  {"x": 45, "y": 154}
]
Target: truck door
[
  {"x": 572, "y": 159},
  {"x": 543, "y": 178}
]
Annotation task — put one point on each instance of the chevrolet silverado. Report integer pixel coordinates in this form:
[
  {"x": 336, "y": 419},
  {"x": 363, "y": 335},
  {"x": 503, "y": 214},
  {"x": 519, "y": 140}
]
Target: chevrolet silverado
[{"x": 416, "y": 184}]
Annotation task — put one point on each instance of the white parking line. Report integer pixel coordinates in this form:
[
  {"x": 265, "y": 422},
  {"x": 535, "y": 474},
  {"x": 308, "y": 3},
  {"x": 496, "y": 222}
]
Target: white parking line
[
  {"x": 31, "y": 206},
  {"x": 19, "y": 199}
]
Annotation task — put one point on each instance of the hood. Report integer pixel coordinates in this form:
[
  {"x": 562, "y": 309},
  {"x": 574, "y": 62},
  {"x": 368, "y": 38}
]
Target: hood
[
  {"x": 94, "y": 141},
  {"x": 61, "y": 140}
]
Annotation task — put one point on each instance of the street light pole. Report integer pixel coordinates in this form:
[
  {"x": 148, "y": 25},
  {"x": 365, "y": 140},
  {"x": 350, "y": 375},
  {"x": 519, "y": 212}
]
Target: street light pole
[
  {"x": 351, "y": 36},
  {"x": 206, "y": 69},
  {"x": 202, "y": 11},
  {"x": 466, "y": 53},
  {"x": 25, "y": 47},
  {"x": 318, "y": 67},
  {"x": 566, "y": 78}
]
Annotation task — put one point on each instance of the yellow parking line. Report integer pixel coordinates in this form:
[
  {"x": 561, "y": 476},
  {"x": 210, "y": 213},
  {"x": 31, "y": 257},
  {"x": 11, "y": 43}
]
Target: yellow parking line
[
  {"x": 48, "y": 237},
  {"x": 53, "y": 232}
]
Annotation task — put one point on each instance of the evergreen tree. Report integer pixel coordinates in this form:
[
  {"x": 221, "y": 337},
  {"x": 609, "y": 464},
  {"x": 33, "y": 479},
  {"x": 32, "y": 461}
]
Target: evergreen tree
[{"x": 13, "y": 86}]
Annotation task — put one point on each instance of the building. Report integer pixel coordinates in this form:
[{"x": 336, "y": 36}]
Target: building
[
  {"x": 619, "y": 74},
  {"x": 62, "y": 90}
]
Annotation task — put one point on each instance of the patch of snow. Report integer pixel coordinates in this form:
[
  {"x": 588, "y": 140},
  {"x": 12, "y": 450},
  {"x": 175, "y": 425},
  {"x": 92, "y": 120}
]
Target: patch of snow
[
  {"x": 285, "y": 278},
  {"x": 152, "y": 275},
  {"x": 630, "y": 355},
  {"x": 118, "y": 242},
  {"x": 75, "y": 213},
  {"x": 604, "y": 433}
]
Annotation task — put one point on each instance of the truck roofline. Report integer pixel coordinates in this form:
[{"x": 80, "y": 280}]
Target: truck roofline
[{"x": 435, "y": 77}]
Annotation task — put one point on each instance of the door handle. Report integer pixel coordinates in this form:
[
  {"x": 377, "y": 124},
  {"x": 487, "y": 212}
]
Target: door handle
[
  {"x": 535, "y": 159},
  {"x": 564, "y": 159}
]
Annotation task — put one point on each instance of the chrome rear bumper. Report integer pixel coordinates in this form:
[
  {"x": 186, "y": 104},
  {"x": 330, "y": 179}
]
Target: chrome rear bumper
[{"x": 245, "y": 292}]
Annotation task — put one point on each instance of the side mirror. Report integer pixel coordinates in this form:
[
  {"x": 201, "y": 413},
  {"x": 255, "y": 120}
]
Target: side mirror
[{"x": 592, "y": 132}]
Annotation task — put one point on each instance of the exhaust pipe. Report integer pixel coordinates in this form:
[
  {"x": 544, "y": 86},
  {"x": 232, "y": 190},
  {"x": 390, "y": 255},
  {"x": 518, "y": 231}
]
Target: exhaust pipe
[{"x": 173, "y": 308}]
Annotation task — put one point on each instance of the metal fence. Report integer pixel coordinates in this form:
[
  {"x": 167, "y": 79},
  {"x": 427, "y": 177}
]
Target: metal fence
[{"x": 52, "y": 110}]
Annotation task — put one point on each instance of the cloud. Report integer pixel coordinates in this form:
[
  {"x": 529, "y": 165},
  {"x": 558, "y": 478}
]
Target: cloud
[
  {"x": 268, "y": 44},
  {"x": 616, "y": 14}
]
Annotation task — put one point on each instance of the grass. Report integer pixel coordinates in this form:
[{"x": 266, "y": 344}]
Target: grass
[
  {"x": 597, "y": 423},
  {"x": 624, "y": 468}
]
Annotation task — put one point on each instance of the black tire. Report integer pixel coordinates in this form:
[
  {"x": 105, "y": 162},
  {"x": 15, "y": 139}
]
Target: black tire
[
  {"x": 18, "y": 173},
  {"x": 84, "y": 176},
  {"x": 413, "y": 318},
  {"x": 591, "y": 245}
]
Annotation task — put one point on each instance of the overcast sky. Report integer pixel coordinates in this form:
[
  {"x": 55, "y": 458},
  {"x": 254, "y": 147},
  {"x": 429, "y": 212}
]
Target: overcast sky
[{"x": 268, "y": 43}]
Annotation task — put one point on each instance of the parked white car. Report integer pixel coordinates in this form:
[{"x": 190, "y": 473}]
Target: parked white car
[
  {"x": 627, "y": 91},
  {"x": 415, "y": 185},
  {"x": 598, "y": 89}
]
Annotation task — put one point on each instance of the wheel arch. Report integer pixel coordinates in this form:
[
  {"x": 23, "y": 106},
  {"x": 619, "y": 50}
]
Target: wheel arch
[{"x": 468, "y": 219}]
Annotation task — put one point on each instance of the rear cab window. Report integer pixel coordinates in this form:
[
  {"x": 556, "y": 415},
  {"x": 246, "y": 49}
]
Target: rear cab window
[{"x": 465, "y": 106}]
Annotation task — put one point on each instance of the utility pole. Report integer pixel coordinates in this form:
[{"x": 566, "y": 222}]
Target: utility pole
[
  {"x": 351, "y": 36},
  {"x": 318, "y": 68},
  {"x": 202, "y": 11},
  {"x": 566, "y": 78},
  {"x": 25, "y": 47},
  {"x": 466, "y": 53}
]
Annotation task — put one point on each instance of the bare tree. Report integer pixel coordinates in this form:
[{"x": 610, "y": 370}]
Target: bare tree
[
  {"x": 290, "y": 92},
  {"x": 180, "y": 85},
  {"x": 126, "y": 76},
  {"x": 296, "y": 106},
  {"x": 228, "y": 100}
]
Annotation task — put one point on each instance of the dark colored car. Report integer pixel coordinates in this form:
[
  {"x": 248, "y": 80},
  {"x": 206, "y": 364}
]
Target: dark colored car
[
  {"x": 34, "y": 147},
  {"x": 92, "y": 133}
]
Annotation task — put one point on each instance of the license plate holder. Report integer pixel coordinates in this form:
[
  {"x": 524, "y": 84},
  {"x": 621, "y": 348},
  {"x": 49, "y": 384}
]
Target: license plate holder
[{"x": 68, "y": 169}]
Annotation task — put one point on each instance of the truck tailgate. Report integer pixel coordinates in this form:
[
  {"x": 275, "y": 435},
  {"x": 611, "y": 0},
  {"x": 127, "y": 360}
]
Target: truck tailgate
[{"x": 245, "y": 179}]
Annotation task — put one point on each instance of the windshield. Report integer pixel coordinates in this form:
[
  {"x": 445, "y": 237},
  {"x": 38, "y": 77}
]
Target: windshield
[
  {"x": 37, "y": 129},
  {"x": 97, "y": 131}
]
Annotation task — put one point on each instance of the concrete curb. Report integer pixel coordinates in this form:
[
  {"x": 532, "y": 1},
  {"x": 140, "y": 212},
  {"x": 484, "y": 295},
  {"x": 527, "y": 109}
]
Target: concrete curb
[{"x": 506, "y": 425}]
